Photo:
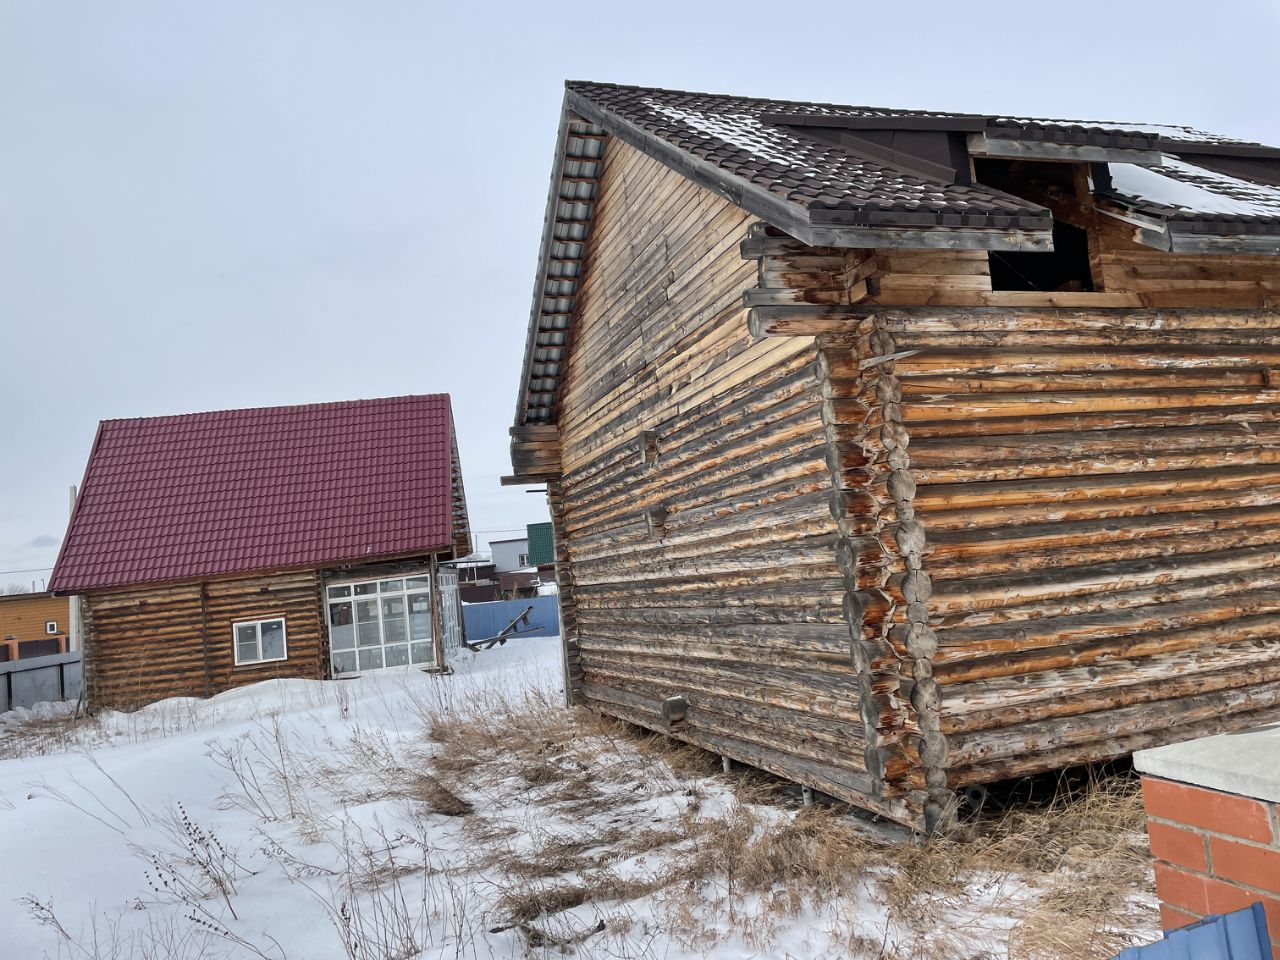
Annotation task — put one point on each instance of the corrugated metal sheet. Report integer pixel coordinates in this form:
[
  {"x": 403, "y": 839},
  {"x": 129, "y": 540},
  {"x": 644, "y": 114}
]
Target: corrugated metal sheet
[
  {"x": 1234, "y": 936},
  {"x": 485, "y": 620}
]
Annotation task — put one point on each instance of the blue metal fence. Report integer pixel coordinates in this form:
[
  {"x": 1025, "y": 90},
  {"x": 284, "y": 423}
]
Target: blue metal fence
[
  {"x": 484, "y": 620},
  {"x": 1235, "y": 936}
]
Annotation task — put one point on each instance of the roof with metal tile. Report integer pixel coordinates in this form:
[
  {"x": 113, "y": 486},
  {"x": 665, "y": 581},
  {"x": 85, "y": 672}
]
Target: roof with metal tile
[
  {"x": 210, "y": 494},
  {"x": 868, "y": 177}
]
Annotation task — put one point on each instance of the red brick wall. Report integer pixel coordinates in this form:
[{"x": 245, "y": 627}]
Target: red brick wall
[{"x": 1215, "y": 852}]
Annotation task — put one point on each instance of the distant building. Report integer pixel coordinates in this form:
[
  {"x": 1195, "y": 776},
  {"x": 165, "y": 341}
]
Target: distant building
[
  {"x": 35, "y": 624},
  {"x": 215, "y": 550},
  {"x": 509, "y": 555},
  {"x": 477, "y": 579}
]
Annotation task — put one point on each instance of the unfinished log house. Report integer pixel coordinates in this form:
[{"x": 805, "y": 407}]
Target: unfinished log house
[
  {"x": 899, "y": 452},
  {"x": 214, "y": 550}
]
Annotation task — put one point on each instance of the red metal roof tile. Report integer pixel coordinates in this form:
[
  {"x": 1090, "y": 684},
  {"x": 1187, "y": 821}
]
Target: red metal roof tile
[{"x": 234, "y": 491}]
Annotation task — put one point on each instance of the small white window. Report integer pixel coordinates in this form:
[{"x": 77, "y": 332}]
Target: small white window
[
  {"x": 259, "y": 641},
  {"x": 51, "y": 627}
]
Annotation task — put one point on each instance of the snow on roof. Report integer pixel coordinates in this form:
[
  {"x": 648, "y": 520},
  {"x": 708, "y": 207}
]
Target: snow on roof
[
  {"x": 1196, "y": 190},
  {"x": 741, "y": 130}
]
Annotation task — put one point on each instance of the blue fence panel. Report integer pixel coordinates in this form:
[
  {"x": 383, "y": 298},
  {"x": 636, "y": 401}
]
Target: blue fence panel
[
  {"x": 484, "y": 620},
  {"x": 1234, "y": 936}
]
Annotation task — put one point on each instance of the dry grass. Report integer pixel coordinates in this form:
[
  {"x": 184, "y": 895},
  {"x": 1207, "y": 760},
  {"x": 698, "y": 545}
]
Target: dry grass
[
  {"x": 515, "y": 816},
  {"x": 40, "y": 736},
  {"x": 437, "y": 797},
  {"x": 627, "y": 821}
]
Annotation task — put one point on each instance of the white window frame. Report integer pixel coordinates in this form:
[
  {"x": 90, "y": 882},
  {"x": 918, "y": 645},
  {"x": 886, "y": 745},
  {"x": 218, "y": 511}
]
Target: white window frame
[
  {"x": 352, "y": 597},
  {"x": 235, "y": 642}
]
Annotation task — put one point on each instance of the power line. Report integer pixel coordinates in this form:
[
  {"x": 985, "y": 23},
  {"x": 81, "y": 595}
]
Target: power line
[{"x": 5, "y": 573}]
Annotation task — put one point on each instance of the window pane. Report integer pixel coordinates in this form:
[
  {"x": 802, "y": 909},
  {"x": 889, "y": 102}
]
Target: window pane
[
  {"x": 392, "y": 607},
  {"x": 392, "y": 586},
  {"x": 364, "y": 589},
  {"x": 393, "y": 631},
  {"x": 247, "y": 633},
  {"x": 420, "y": 616},
  {"x": 342, "y": 633},
  {"x": 419, "y": 627},
  {"x": 367, "y": 611},
  {"x": 417, "y": 583},
  {"x": 344, "y": 662},
  {"x": 344, "y": 591},
  {"x": 370, "y": 635},
  {"x": 398, "y": 655},
  {"x": 421, "y": 652},
  {"x": 273, "y": 640},
  {"x": 247, "y": 651},
  {"x": 371, "y": 659}
]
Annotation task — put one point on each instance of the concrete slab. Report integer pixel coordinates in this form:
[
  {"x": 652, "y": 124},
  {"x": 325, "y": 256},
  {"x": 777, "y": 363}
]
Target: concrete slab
[{"x": 1246, "y": 763}]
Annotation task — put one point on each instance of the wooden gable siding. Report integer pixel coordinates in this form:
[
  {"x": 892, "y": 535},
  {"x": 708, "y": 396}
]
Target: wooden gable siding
[
  {"x": 458, "y": 510},
  {"x": 696, "y": 545},
  {"x": 147, "y": 643}
]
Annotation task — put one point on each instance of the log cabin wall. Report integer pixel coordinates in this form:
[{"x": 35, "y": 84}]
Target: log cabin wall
[
  {"x": 1091, "y": 505},
  {"x": 1059, "y": 512},
  {"x": 146, "y": 643},
  {"x": 692, "y": 511}
]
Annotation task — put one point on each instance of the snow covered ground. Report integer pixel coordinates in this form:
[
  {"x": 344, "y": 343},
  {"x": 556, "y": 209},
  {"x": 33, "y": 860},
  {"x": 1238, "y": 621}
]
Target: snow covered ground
[{"x": 402, "y": 815}]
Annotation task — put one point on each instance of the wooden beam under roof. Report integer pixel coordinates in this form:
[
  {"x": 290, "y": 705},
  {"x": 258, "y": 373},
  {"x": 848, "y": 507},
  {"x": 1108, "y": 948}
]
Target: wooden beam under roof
[{"x": 981, "y": 145}]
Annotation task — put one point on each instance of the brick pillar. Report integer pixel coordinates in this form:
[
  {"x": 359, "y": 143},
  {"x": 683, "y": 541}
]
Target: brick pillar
[{"x": 1216, "y": 849}]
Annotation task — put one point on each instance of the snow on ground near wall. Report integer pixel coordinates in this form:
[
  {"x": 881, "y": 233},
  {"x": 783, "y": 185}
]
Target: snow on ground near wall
[{"x": 320, "y": 807}]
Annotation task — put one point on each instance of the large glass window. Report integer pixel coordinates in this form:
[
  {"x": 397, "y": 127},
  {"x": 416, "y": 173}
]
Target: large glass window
[
  {"x": 259, "y": 641},
  {"x": 379, "y": 623}
]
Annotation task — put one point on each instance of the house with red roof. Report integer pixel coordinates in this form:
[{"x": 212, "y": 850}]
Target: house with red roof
[{"x": 214, "y": 550}]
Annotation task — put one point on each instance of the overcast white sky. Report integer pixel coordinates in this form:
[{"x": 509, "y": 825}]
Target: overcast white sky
[{"x": 237, "y": 203}]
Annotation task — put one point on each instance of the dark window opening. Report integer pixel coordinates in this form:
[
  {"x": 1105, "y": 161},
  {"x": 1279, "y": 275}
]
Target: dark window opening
[{"x": 1066, "y": 268}]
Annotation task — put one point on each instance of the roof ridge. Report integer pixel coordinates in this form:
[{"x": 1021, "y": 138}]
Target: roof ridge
[
  {"x": 1186, "y": 129},
  {"x": 335, "y": 404},
  {"x": 579, "y": 85}
]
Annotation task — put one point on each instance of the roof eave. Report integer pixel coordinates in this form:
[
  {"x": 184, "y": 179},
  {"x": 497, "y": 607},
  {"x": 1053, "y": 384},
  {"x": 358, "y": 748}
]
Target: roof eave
[
  {"x": 540, "y": 276},
  {"x": 1193, "y": 236},
  {"x": 83, "y": 588}
]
